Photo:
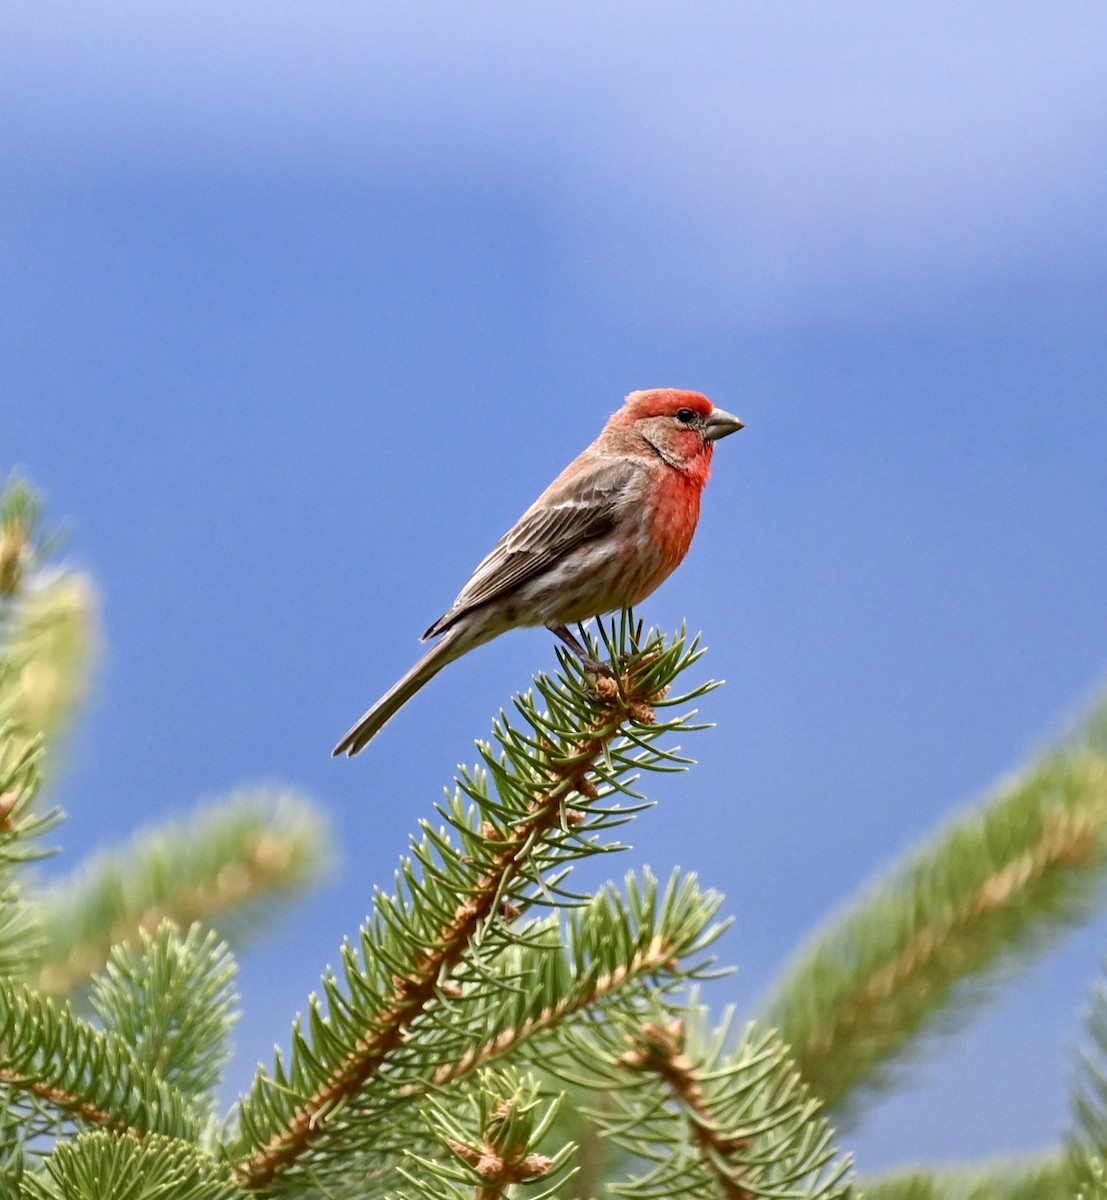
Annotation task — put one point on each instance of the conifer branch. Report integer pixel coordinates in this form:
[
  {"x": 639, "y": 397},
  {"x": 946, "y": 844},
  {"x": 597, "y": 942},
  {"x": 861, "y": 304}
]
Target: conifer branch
[
  {"x": 493, "y": 1139},
  {"x": 591, "y": 965},
  {"x": 990, "y": 891},
  {"x": 95, "y": 1166},
  {"x": 221, "y": 866},
  {"x": 737, "y": 1123},
  {"x": 20, "y": 778},
  {"x": 660, "y": 1050},
  {"x": 20, "y": 522},
  {"x": 48, "y": 641},
  {"x": 1034, "y": 1179},
  {"x": 21, "y": 828},
  {"x": 613, "y": 951},
  {"x": 27, "y": 667},
  {"x": 1094, "y": 1185},
  {"x": 550, "y": 785},
  {"x": 171, "y": 998},
  {"x": 85, "y": 1073},
  {"x": 47, "y": 624},
  {"x": 1087, "y": 1139}
]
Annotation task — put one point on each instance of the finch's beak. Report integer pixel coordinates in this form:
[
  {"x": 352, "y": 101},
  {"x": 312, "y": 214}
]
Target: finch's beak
[{"x": 720, "y": 423}]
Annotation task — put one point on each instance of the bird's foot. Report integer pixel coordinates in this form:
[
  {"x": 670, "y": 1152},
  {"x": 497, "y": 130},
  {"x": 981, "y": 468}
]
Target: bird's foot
[
  {"x": 588, "y": 664},
  {"x": 595, "y": 668}
]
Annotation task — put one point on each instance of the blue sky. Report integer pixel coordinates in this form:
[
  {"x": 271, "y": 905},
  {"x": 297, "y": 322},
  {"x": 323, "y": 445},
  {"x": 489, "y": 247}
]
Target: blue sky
[{"x": 300, "y": 306}]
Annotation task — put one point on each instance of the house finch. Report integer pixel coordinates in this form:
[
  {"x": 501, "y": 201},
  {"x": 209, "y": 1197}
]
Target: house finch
[{"x": 609, "y": 529}]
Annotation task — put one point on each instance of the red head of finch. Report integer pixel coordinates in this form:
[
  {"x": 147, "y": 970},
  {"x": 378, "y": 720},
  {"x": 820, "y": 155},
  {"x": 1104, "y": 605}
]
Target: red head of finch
[{"x": 609, "y": 529}]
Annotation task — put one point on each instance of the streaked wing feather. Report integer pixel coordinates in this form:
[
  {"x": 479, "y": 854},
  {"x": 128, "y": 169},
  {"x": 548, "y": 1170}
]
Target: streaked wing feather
[{"x": 564, "y": 517}]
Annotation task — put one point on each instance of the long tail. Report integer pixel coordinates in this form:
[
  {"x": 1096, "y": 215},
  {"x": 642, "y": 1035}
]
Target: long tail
[{"x": 454, "y": 643}]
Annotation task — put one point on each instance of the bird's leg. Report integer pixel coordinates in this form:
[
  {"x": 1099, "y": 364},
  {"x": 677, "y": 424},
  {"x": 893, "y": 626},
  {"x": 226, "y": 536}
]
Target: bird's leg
[{"x": 592, "y": 666}]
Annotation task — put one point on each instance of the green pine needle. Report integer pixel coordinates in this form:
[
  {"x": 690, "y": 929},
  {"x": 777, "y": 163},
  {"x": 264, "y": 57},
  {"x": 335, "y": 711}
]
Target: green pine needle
[
  {"x": 226, "y": 866},
  {"x": 1087, "y": 1142},
  {"x": 712, "y": 1120},
  {"x": 21, "y": 831},
  {"x": 1036, "y": 1179},
  {"x": 171, "y": 998},
  {"x": 85, "y": 1074},
  {"x": 99, "y": 1166},
  {"x": 429, "y": 985},
  {"x": 920, "y": 946},
  {"x": 488, "y": 1146}
]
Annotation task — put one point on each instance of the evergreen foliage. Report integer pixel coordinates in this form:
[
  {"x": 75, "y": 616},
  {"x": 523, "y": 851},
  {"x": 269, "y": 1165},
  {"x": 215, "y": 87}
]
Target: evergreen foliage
[
  {"x": 488, "y": 1144},
  {"x": 171, "y": 999},
  {"x": 46, "y": 623},
  {"x": 1088, "y": 1136},
  {"x": 225, "y": 864},
  {"x": 96, "y": 1166},
  {"x": 1031, "y": 1180},
  {"x": 491, "y": 1031},
  {"x": 712, "y": 1117},
  {"x": 426, "y": 993},
  {"x": 87, "y": 1074},
  {"x": 922, "y": 945},
  {"x": 140, "y": 1081}
]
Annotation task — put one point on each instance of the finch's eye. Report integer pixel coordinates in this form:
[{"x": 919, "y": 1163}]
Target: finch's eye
[{"x": 686, "y": 415}]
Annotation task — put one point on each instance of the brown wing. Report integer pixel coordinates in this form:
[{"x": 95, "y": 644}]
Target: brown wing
[{"x": 569, "y": 513}]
